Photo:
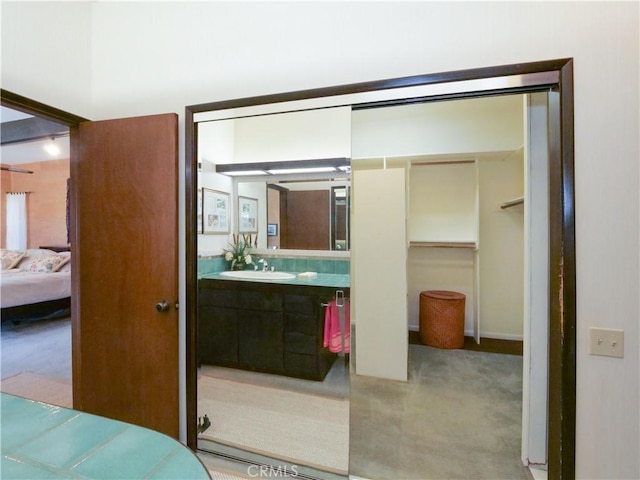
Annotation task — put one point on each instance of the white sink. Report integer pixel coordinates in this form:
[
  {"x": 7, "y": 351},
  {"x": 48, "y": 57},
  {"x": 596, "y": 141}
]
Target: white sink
[{"x": 258, "y": 275}]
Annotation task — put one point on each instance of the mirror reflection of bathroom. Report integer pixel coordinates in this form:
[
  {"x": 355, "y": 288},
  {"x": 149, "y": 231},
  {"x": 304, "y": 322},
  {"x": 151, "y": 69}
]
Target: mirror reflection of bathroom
[
  {"x": 308, "y": 214},
  {"x": 273, "y": 290}
]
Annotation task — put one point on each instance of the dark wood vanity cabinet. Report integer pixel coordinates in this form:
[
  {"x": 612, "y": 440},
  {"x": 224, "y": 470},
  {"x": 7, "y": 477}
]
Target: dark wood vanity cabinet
[
  {"x": 260, "y": 342},
  {"x": 265, "y": 327},
  {"x": 304, "y": 333}
]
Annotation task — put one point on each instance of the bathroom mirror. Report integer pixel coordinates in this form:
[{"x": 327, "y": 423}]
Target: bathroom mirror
[
  {"x": 303, "y": 214},
  {"x": 254, "y": 155},
  {"x": 553, "y": 77}
]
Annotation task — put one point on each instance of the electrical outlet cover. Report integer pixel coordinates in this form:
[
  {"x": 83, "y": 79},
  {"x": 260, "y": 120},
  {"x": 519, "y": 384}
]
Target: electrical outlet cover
[{"x": 608, "y": 342}]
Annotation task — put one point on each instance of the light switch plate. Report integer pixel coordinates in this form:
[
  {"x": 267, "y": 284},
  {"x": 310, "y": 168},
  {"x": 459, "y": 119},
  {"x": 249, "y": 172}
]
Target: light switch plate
[{"x": 606, "y": 341}]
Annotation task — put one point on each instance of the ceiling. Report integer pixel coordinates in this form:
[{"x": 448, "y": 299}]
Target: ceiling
[{"x": 28, "y": 137}]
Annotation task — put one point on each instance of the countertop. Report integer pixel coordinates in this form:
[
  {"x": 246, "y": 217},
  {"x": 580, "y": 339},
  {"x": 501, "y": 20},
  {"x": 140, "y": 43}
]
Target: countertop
[
  {"x": 333, "y": 280},
  {"x": 45, "y": 441}
]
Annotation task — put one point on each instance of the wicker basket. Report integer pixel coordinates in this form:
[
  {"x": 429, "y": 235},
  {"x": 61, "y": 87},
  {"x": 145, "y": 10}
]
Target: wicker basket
[{"x": 442, "y": 319}]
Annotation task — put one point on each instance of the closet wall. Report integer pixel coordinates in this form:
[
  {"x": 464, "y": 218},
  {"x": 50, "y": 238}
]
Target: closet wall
[
  {"x": 443, "y": 238},
  {"x": 501, "y": 258},
  {"x": 454, "y": 208}
]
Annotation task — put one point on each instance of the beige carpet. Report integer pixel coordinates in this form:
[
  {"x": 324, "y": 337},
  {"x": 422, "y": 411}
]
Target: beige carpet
[
  {"x": 299, "y": 428},
  {"x": 219, "y": 474},
  {"x": 56, "y": 391}
]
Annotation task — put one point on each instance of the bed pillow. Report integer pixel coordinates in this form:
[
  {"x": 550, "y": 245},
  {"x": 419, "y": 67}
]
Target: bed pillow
[
  {"x": 66, "y": 267},
  {"x": 45, "y": 263},
  {"x": 11, "y": 258},
  {"x": 32, "y": 252}
]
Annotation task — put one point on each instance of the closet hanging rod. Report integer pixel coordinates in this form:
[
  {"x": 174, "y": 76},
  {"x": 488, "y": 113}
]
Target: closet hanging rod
[
  {"x": 512, "y": 203},
  {"x": 443, "y": 244},
  {"x": 16, "y": 170},
  {"x": 443, "y": 162}
]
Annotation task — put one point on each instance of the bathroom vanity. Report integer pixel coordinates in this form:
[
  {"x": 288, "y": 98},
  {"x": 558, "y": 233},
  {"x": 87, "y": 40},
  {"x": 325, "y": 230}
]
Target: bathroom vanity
[{"x": 266, "y": 326}]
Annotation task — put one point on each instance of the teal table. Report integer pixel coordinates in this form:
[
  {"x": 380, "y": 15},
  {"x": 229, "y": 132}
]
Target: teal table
[{"x": 44, "y": 441}]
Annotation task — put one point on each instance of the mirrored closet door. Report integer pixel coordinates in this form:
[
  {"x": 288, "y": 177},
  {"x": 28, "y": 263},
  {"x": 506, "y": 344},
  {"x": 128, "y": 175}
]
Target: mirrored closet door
[{"x": 273, "y": 290}]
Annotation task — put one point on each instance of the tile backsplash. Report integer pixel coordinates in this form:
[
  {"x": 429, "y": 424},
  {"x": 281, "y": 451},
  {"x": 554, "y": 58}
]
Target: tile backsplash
[{"x": 282, "y": 264}]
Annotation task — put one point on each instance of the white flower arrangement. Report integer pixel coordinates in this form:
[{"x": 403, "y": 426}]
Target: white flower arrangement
[{"x": 238, "y": 254}]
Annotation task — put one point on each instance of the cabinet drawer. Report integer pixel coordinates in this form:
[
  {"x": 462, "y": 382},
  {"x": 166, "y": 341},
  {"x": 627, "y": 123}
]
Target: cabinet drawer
[
  {"x": 265, "y": 301},
  {"x": 301, "y": 343},
  {"x": 297, "y": 363},
  {"x": 218, "y": 298},
  {"x": 304, "y": 304},
  {"x": 217, "y": 336},
  {"x": 260, "y": 339},
  {"x": 299, "y": 323}
]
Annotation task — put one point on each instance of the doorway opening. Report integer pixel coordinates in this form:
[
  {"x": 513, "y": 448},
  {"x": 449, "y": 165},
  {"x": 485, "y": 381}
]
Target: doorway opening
[
  {"x": 37, "y": 323},
  {"x": 554, "y": 76},
  {"x": 457, "y": 178}
]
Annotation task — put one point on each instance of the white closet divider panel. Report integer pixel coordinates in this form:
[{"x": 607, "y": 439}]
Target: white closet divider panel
[{"x": 379, "y": 271}]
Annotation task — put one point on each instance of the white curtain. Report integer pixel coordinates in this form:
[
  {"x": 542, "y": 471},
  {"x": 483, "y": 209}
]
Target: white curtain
[{"x": 16, "y": 221}]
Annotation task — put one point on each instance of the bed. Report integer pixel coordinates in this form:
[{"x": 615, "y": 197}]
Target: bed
[{"x": 37, "y": 284}]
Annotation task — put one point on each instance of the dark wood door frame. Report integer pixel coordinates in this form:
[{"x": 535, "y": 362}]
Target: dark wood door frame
[
  {"x": 562, "y": 294},
  {"x": 33, "y": 107}
]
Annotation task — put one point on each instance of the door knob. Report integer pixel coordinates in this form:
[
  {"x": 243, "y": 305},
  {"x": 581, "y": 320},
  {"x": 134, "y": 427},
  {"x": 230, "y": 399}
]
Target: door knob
[{"x": 163, "y": 306}]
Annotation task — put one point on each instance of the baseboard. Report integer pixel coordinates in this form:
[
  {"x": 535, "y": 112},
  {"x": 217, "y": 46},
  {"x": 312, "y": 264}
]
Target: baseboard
[
  {"x": 501, "y": 336},
  {"x": 470, "y": 333},
  {"x": 490, "y": 345},
  {"x": 537, "y": 473}
]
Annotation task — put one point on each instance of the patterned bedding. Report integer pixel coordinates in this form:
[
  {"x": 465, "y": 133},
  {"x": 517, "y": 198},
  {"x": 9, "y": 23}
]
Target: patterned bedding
[
  {"x": 19, "y": 287},
  {"x": 33, "y": 276}
]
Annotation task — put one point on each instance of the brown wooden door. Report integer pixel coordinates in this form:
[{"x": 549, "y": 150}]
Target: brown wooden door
[
  {"x": 126, "y": 261},
  {"x": 307, "y": 220}
]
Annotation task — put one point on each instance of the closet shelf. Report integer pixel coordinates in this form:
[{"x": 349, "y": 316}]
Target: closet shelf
[
  {"x": 513, "y": 203},
  {"x": 473, "y": 245}
]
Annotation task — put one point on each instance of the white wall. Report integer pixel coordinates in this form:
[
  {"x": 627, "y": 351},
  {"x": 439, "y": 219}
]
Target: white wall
[
  {"x": 442, "y": 205},
  {"x": 294, "y": 136},
  {"x": 46, "y": 53},
  {"x": 216, "y": 145},
  {"x": 478, "y": 125},
  {"x": 157, "y": 57}
]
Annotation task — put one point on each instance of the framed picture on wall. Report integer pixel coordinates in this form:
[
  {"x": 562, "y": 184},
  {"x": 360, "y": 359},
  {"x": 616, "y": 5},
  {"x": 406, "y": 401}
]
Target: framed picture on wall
[
  {"x": 215, "y": 211},
  {"x": 247, "y": 215},
  {"x": 272, "y": 229},
  {"x": 199, "y": 212}
]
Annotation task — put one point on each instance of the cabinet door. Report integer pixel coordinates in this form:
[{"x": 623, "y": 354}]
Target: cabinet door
[
  {"x": 301, "y": 314},
  {"x": 261, "y": 340},
  {"x": 300, "y": 337},
  {"x": 217, "y": 336}
]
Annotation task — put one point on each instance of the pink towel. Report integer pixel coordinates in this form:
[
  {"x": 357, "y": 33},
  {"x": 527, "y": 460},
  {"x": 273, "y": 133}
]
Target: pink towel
[{"x": 332, "y": 334}]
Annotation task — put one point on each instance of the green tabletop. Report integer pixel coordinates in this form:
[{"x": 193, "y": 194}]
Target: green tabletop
[{"x": 45, "y": 441}]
